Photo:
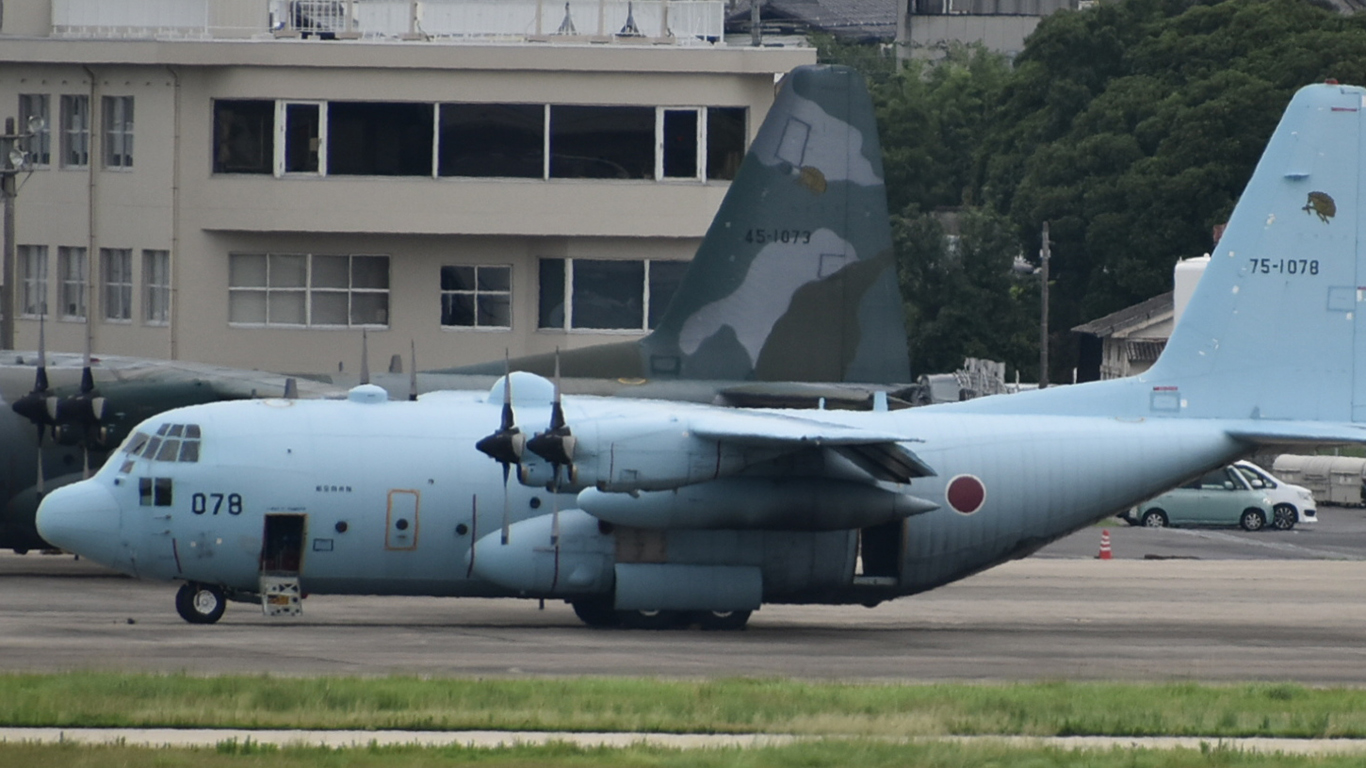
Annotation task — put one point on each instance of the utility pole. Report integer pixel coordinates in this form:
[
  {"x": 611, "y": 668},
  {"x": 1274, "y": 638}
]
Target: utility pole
[
  {"x": 7, "y": 193},
  {"x": 13, "y": 160},
  {"x": 1043, "y": 310}
]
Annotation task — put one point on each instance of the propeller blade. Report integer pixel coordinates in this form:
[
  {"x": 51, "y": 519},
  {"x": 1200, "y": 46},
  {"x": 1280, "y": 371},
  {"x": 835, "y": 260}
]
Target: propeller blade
[
  {"x": 507, "y": 504},
  {"x": 556, "y": 444},
  {"x": 39, "y": 484}
]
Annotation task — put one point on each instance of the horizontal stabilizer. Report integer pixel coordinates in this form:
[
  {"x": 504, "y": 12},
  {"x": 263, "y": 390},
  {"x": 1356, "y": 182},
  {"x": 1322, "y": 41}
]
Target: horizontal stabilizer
[{"x": 1289, "y": 432}]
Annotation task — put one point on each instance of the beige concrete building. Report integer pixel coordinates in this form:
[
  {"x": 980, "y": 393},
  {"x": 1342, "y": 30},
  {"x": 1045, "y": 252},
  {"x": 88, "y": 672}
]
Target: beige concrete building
[{"x": 252, "y": 182}]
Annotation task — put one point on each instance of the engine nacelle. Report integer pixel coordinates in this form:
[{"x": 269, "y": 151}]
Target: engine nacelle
[
  {"x": 527, "y": 564},
  {"x": 757, "y": 503},
  {"x": 654, "y": 454}
]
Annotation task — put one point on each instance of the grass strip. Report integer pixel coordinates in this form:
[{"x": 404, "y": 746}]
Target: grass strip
[
  {"x": 96, "y": 699},
  {"x": 834, "y": 754}
]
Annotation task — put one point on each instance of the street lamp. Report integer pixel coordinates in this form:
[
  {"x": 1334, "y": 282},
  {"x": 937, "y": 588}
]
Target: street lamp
[{"x": 16, "y": 161}]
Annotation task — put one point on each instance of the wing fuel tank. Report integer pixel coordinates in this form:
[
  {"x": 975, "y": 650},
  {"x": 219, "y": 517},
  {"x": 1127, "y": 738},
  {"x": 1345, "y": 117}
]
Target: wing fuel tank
[{"x": 775, "y": 504}]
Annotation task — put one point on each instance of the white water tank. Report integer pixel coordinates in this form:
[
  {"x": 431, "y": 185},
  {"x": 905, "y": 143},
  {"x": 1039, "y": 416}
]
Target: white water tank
[{"x": 1187, "y": 274}]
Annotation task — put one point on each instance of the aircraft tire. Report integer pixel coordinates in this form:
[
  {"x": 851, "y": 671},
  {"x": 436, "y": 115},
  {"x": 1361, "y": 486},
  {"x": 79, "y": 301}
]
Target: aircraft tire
[
  {"x": 721, "y": 621},
  {"x": 1155, "y": 518},
  {"x": 1252, "y": 520},
  {"x": 596, "y": 612},
  {"x": 1284, "y": 517},
  {"x": 652, "y": 619},
  {"x": 200, "y": 603}
]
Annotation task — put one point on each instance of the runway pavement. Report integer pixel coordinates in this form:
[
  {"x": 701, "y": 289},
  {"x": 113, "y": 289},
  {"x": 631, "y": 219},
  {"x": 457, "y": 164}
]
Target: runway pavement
[{"x": 1245, "y": 611}]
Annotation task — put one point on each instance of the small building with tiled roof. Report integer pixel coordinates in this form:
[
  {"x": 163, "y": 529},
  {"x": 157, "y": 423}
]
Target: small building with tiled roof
[{"x": 1126, "y": 342}]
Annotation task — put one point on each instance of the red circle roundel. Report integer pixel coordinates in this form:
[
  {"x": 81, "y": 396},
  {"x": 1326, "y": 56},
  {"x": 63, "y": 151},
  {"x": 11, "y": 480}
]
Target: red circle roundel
[{"x": 965, "y": 493}]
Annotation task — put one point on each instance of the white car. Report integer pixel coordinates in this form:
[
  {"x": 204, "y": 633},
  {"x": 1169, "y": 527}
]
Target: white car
[{"x": 1281, "y": 494}]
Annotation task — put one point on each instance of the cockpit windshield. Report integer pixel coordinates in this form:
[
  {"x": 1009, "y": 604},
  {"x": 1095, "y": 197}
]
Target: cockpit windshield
[{"x": 172, "y": 442}]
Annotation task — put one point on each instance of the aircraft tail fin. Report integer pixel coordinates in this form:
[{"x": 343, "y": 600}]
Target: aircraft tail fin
[
  {"x": 1275, "y": 329},
  {"x": 795, "y": 279}
]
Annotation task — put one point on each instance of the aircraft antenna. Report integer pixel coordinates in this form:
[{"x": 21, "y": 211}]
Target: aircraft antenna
[
  {"x": 412, "y": 376},
  {"x": 364, "y": 356}
]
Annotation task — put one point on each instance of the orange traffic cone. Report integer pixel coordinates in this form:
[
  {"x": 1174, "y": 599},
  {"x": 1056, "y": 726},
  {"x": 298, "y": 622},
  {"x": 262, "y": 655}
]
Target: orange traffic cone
[{"x": 1104, "y": 546}]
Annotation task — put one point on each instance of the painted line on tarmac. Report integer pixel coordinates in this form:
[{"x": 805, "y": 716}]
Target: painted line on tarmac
[{"x": 211, "y": 737}]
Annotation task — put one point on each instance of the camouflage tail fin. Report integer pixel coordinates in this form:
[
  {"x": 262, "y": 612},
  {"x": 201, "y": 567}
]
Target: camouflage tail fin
[{"x": 795, "y": 279}]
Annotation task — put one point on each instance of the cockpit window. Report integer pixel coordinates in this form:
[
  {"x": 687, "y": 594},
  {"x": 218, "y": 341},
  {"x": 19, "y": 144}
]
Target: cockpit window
[
  {"x": 174, "y": 442},
  {"x": 170, "y": 449},
  {"x": 136, "y": 443}
]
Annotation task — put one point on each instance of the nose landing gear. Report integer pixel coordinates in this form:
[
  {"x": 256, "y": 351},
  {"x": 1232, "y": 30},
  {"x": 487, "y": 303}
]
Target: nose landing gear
[{"x": 200, "y": 603}]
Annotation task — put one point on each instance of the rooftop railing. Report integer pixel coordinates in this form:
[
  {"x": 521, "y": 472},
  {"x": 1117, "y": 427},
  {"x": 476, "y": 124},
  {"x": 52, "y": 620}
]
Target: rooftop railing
[{"x": 678, "y": 22}]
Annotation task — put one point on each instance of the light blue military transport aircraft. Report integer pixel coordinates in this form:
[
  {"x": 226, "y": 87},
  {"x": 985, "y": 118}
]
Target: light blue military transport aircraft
[{"x": 670, "y": 514}]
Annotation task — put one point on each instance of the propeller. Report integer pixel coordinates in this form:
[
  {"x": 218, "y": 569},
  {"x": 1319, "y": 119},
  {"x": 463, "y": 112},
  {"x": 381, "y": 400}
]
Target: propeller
[
  {"x": 39, "y": 406},
  {"x": 505, "y": 446},
  {"x": 84, "y": 412},
  {"x": 556, "y": 445}
]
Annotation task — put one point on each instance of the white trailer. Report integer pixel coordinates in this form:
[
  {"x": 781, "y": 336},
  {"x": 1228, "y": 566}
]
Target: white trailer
[{"x": 1332, "y": 479}]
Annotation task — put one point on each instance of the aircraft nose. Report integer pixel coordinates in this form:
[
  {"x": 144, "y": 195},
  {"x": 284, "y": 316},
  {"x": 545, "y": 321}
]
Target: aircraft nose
[{"x": 82, "y": 518}]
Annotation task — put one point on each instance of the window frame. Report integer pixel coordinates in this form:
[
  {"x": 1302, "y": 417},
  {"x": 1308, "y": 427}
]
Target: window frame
[
  {"x": 309, "y": 291},
  {"x": 281, "y": 148},
  {"x": 474, "y": 295},
  {"x": 116, "y": 295},
  {"x": 568, "y": 326},
  {"x": 156, "y": 287},
  {"x": 117, "y": 128},
  {"x": 40, "y": 157},
  {"x": 33, "y": 289},
  {"x": 75, "y": 283},
  {"x": 75, "y": 134}
]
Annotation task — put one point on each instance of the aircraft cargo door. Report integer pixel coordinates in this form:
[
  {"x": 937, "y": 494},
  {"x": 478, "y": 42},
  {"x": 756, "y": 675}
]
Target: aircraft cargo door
[{"x": 282, "y": 549}]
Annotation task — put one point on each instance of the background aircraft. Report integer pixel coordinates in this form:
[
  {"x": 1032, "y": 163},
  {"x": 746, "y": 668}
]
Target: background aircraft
[
  {"x": 691, "y": 513},
  {"x": 793, "y": 284}
]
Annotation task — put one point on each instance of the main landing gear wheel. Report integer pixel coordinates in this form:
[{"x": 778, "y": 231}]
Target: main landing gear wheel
[
  {"x": 1252, "y": 520},
  {"x": 200, "y": 603},
  {"x": 721, "y": 620},
  {"x": 1155, "y": 518},
  {"x": 1285, "y": 517},
  {"x": 596, "y": 613},
  {"x": 652, "y": 619}
]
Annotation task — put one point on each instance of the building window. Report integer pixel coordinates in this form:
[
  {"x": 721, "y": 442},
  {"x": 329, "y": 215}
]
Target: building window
[
  {"x": 601, "y": 294},
  {"x": 308, "y": 290},
  {"x": 34, "y": 107},
  {"x": 531, "y": 141},
  {"x": 244, "y": 136},
  {"x": 117, "y": 271},
  {"x": 118, "y": 131},
  {"x": 75, "y": 131},
  {"x": 476, "y": 297},
  {"x": 33, "y": 279},
  {"x": 71, "y": 262},
  {"x": 303, "y": 134},
  {"x": 602, "y": 142},
  {"x": 379, "y": 138},
  {"x": 492, "y": 140},
  {"x": 725, "y": 141},
  {"x": 156, "y": 287}
]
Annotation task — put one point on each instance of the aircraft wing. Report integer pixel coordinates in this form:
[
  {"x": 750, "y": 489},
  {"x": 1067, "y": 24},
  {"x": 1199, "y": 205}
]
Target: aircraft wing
[{"x": 881, "y": 454}]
